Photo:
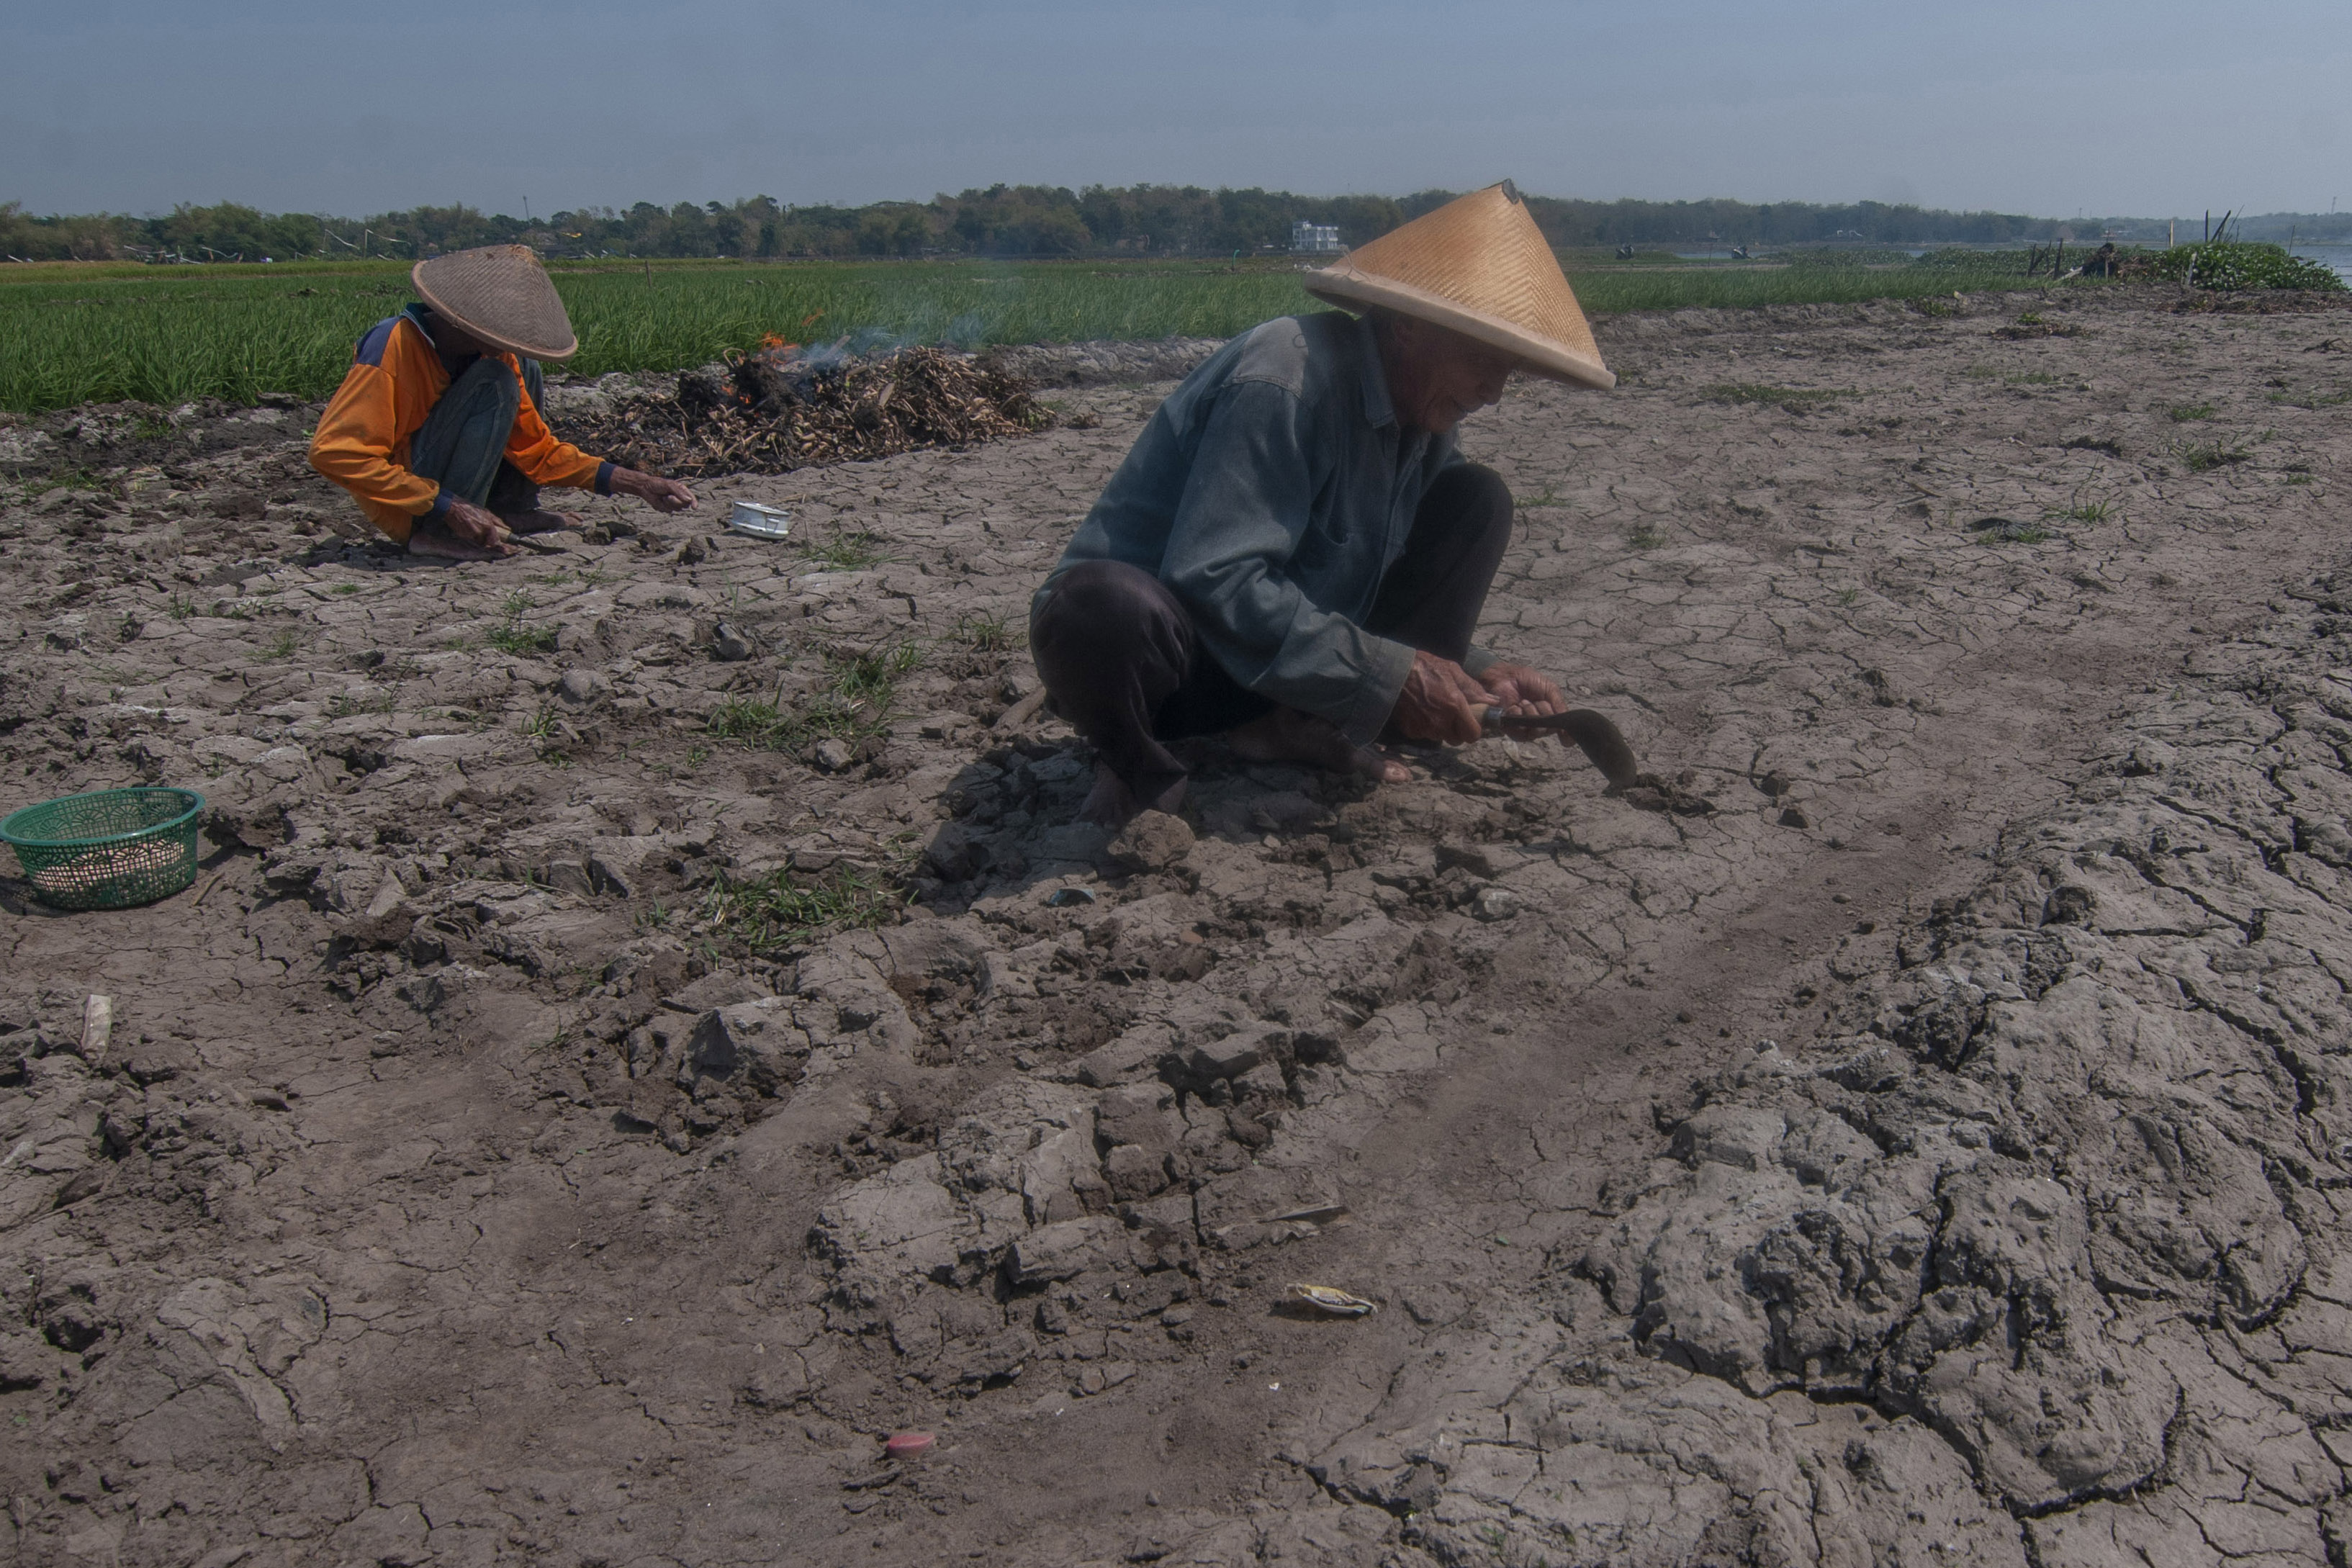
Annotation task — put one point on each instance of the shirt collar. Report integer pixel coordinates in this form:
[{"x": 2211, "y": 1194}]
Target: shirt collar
[
  {"x": 418, "y": 314},
  {"x": 1379, "y": 408}
]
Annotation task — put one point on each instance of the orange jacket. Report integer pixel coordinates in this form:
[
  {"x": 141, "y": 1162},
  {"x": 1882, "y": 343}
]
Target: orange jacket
[{"x": 396, "y": 377}]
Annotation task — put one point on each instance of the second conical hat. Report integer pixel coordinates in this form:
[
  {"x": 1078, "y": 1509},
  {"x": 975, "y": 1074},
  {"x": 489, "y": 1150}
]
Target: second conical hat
[
  {"x": 502, "y": 295},
  {"x": 1478, "y": 266}
]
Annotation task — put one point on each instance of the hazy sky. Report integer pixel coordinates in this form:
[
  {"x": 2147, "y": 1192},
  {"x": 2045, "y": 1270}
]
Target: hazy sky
[{"x": 2106, "y": 107}]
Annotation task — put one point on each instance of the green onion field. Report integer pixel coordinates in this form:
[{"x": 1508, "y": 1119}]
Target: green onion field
[{"x": 75, "y": 333}]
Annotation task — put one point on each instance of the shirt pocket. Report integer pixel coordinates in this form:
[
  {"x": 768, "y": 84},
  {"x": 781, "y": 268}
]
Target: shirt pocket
[{"x": 1329, "y": 538}]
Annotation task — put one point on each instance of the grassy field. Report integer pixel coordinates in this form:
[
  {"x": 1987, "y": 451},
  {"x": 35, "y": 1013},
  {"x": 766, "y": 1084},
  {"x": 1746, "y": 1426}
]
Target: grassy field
[{"x": 74, "y": 334}]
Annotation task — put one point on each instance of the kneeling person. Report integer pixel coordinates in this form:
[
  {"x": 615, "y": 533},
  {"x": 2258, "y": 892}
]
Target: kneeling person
[
  {"x": 1294, "y": 554},
  {"x": 436, "y": 431}
]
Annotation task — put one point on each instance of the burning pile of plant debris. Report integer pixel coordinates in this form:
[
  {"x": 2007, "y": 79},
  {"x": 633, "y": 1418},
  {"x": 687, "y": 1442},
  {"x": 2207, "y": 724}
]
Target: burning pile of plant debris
[{"x": 786, "y": 407}]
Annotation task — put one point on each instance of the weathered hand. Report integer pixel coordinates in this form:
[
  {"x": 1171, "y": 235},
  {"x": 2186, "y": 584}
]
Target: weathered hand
[
  {"x": 662, "y": 495},
  {"x": 1440, "y": 701},
  {"x": 1521, "y": 689},
  {"x": 477, "y": 526}
]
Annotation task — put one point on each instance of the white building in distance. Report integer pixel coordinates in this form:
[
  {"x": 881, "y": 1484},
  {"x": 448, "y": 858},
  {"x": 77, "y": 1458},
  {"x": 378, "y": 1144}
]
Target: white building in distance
[{"x": 1315, "y": 239}]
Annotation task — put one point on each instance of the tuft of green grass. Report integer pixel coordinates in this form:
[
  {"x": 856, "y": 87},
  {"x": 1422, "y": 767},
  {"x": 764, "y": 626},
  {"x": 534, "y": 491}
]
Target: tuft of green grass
[
  {"x": 182, "y": 606},
  {"x": 989, "y": 634},
  {"x": 785, "y": 910},
  {"x": 282, "y": 645},
  {"x": 873, "y": 676},
  {"x": 2005, "y": 531},
  {"x": 523, "y": 641},
  {"x": 343, "y": 705},
  {"x": 518, "y": 639},
  {"x": 849, "y": 551},
  {"x": 855, "y": 701},
  {"x": 1848, "y": 596},
  {"x": 2182, "y": 413},
  {"x": 1795, "y": 399},
  {"x": 345, "y": 590},
  {"x": 1530, "y": 503},
  {"x": 1644, "y": 536},
  {"x": 2199, "y": 456},
  {"x": 2093, "y": 509}
]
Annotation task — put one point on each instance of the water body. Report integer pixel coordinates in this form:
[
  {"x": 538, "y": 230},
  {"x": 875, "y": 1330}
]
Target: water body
[{"x": 2334, "y": 254}]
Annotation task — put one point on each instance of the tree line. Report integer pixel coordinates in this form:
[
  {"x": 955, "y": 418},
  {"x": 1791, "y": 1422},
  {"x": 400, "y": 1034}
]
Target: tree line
[{"x": 1000, "y": 221}]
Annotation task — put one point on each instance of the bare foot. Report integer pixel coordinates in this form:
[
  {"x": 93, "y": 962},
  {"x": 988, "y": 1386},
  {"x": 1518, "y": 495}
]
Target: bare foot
[
  {"x": 1112, "y": 804},
  {"x": 428, "y": 537},
  {"x": 1286, "y": 735},
  {"x": 540, "y": 521}
]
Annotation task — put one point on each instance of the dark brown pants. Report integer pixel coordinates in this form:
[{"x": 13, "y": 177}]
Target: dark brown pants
[{"x": 1120, "y": 658}]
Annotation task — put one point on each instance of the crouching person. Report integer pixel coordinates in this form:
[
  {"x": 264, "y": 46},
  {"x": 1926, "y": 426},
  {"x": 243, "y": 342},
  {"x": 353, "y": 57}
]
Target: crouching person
[
  {"x": 435, "y": 430},
  {"x": 1294, "y": 556}
]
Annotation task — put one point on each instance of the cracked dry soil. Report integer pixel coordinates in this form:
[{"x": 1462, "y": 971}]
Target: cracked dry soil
[{"x": 1933, "y": 1156}]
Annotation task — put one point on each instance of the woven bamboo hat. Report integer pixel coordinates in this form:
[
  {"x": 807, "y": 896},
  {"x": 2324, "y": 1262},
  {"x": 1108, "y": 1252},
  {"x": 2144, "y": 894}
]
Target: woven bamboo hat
[
  {"x": 1478, "y": 266},
  {"x": 502, "y": 295}
]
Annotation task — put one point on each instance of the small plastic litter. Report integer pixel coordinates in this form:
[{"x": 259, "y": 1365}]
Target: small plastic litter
[
  {"x": 760, "y": 521},
  {"x": 97, "y": 1028},
  {"x": 1066, "y": 898},
  {"x": 1338, "y": 1303},
  {"x": 908, "y": 1445}
]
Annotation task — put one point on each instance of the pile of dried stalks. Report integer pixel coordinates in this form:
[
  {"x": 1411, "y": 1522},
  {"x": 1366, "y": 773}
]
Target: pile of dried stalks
[{"x": 775, "y": 412}]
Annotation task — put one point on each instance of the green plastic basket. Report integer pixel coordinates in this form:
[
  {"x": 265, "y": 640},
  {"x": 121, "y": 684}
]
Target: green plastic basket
[{"x": 110, "y": 849}]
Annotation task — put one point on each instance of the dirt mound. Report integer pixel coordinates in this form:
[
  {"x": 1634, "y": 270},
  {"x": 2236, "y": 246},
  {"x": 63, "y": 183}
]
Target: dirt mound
[
  {"x": 772, "y": 412},
  {"x": 77, "y": 445},
  {"x": 2276, "y": 302}
]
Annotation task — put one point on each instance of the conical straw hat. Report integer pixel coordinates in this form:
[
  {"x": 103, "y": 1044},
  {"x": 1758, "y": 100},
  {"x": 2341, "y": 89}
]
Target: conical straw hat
[
  {"x": 502, "y": 295},
  {"x": 1479, "y": 265}
]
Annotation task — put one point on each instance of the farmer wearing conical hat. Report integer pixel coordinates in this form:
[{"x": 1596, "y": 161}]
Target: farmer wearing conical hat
[
  {"x": 1294, "y": 554},
  {"x": 436, "y": 431}
]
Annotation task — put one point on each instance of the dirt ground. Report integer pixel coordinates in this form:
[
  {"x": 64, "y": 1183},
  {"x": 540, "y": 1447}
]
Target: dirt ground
[{"x": 1932, "y": 1155}]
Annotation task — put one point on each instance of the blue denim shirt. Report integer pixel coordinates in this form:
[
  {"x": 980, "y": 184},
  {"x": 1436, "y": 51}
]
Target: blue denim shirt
[{"x": 1270, "y": 493}]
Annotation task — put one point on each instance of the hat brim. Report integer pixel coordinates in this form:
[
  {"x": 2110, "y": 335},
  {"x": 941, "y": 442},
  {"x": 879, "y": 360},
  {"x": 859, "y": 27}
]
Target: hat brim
[
  {"x": 1343, "y": 285},
  {"x": 563, "y": 349}
]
